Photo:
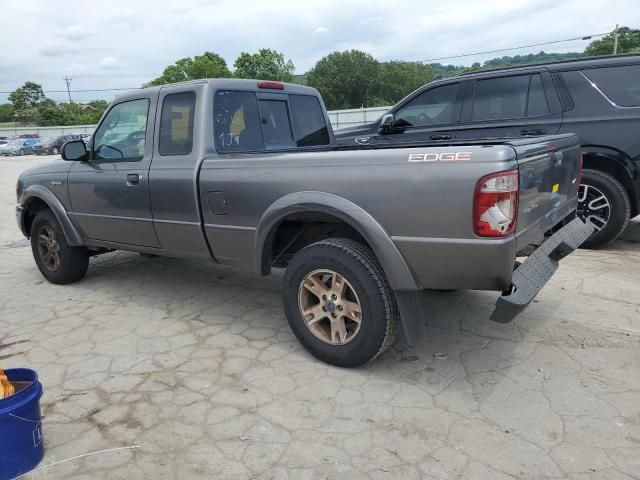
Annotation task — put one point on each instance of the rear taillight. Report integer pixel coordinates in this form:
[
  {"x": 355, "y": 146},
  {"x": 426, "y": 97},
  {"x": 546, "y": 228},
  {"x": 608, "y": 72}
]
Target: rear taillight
[
  {"x": 579, "y": 175},
  {"x": 496, "y": 204}
]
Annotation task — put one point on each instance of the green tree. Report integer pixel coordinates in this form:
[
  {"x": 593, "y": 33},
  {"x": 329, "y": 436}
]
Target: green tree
[
  {"x": 25, "y": 100},
  {"x": 48, "y": 113},
  {"x": 396, "y": 79},
  {"x": 6, "y": 112},
  {"x": 628, "y": 40},
  {"x": 267, "y": 64},
  {"x": 207, "y": 65},
  {"x": 345, "y": 79}
]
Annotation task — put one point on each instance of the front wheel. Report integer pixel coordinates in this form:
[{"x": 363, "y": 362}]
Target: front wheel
[
  {"x": 21, "y": 152},
  {"x": 339, "y": 303},
  {"x": 603, "y": 202},
  {"x": 55, "y": 150},
  {"x": 58, "y": 262}
]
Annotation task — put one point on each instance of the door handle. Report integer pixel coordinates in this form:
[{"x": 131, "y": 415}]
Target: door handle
[
  {"x": 133, "y": 179},
  {"x": 532, "y": 133},
  {"x": 441, "y": 137}
]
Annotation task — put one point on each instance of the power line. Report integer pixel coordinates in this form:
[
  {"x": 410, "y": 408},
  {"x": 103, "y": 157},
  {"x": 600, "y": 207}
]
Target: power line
[
  {"x": 585, "y": 37},
  {"x": 89, "y": 90}
]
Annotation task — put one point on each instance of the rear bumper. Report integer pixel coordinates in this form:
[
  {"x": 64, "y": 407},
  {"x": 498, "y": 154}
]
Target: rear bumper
[{"x": 530, "y": 277}]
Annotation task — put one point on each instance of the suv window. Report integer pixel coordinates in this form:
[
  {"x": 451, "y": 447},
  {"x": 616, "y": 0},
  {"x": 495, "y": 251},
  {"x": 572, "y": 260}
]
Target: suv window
[
  {"x": 509, "y": 97},
  {"x": 176, "y": 124},
  {"x": 309, "y": 123},
  {"x": 620, "y": 84},
  {"x": 432, "y": 107},
  {"x": 122, "y": 133}
]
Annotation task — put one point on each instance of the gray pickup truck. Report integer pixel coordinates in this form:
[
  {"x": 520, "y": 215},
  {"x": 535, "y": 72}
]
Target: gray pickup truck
[{"x": 247, "y": 173}]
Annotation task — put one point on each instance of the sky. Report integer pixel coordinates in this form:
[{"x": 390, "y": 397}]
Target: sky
[{"x": 125, "y": 43}]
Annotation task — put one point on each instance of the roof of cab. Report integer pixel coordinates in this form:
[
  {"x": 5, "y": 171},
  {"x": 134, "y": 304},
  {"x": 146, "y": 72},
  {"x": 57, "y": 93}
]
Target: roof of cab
[{"x": 226, "y": 84}]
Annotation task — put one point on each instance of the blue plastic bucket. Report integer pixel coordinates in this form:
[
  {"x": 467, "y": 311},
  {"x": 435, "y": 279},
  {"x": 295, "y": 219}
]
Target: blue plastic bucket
[{"x": 21, "y": 442}]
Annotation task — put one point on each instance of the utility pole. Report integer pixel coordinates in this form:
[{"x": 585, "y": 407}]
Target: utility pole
[
  {"x": 68, "y": 80},
  {"x": 615, "y": 40}
]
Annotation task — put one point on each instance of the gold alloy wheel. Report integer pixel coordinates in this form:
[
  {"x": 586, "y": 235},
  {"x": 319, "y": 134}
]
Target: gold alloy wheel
[
  {"x": 330, "y": 307},
  {"x": 48, "y": 248}
]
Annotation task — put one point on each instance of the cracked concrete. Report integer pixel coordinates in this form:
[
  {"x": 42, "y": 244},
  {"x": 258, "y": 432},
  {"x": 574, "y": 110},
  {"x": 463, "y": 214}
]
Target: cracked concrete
[{"x": 195, "y": 364}]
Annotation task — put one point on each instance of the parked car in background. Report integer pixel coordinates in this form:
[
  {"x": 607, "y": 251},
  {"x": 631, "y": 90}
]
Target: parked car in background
[
  {"x": 598, "y": 99},
  {"x": 18, "y": 147},
  {"x": 53, "y": 145}
]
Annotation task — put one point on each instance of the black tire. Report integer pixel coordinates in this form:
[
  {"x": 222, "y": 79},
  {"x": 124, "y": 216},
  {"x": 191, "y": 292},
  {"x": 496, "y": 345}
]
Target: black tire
[
  {"x": 73, "y": 262},
  {"x": 358, "y": 266},
  {"x": 21, "y": 152},
  {"x": 619, "y": 210},
  {"x": 55, "y": 150}
]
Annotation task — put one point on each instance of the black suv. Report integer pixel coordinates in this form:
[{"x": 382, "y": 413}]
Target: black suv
[
  {"x": 53, "y": 145},
  {"x": 598, "y": 99}
]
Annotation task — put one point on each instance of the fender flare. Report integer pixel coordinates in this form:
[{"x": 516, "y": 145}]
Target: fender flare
[
  {"x": 395, "y": 268},
  {"x": 71, "y": 233},
  {"x": 613, "y": 155}
]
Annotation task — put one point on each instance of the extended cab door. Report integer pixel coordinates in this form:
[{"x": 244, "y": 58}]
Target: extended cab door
[
  {"x": 431, "y": 114},
  {"x": 110, "y": 192},
  {"x": 509, "y": 105}
]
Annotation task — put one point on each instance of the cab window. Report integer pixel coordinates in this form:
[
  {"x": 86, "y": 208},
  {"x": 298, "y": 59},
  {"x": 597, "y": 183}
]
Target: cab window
[
  {"x": 122, "y": 134},
  {"x": 176, "y": 124}
]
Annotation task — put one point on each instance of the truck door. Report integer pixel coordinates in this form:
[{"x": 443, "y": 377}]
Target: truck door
[
  {"x": 431, "y": 115},
  {"x": 524, "y": 105},
  {"x": 110, "y": 192}
]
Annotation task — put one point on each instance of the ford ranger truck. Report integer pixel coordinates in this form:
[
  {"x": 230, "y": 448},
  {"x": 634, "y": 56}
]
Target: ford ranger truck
[{"x": 247, "y": 173}]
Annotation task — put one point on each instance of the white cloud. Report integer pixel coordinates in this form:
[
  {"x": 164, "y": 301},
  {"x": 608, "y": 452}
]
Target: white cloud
[
  {"x": 145, "y": 36},
  {"x": 108, "y": 62}
]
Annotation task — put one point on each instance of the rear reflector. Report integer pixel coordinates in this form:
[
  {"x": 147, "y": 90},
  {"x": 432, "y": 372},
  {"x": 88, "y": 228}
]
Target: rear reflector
[
  {"x": 270, "y": 85},
  {"x": 496, "y": 204}
]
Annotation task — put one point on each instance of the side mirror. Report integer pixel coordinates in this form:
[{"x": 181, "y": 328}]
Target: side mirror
[
  {"x": 74, "y": 150},
  {"x": 386, "y": 123}
]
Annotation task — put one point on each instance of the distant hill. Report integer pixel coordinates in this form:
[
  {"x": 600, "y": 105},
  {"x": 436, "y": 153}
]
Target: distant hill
[{"x": 441, "y": 71}]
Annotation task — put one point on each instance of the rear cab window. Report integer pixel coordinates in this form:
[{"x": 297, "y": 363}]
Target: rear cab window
[
  {"x": 620, "y": 84},
  {"x": 245, "y": 121}
]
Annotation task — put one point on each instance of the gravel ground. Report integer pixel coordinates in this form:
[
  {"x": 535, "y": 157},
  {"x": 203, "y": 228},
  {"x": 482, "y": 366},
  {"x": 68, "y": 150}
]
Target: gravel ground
[{"x": 195, "y": 366}]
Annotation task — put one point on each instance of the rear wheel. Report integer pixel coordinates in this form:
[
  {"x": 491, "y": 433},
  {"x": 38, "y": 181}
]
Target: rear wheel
[
  {"x": 21, "y": 152},
  {"x": 55, "y": 150},
  {"x": 56, "y": 259},
  {"x": 338, "y": 302},
  {"x": 603, "y": 202}
]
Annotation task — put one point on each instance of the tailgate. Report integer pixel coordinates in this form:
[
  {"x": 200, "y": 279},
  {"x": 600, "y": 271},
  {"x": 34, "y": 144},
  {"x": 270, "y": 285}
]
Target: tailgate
[{"x": 549, "y": 168}]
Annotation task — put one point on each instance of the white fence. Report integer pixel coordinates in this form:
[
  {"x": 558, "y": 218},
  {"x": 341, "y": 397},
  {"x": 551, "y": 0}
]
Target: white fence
[
  {"x": 339, "y": 119},
  {"x": 356, "y": 116}
]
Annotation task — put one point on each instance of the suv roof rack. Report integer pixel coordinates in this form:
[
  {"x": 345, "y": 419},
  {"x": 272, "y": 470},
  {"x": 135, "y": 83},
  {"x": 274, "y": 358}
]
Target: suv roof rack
[{"x": 561, "y": 62}]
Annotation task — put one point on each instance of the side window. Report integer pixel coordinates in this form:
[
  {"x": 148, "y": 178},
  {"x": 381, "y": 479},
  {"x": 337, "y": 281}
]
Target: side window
[
  {"x": 620, "y": 84},
  {"x": 509, "y": 97},
  {"x": 276, "y": 129},
  {"x": 309, "y": 124},
  {"x": 176, "y": 124},
  {"x": 121, "y": 135},
  {"x": 237, "y": 125},
  {"x": 500, "y": 98},
  {"x": 435, "y": 106},
  {"x": 537, "y": 102}
]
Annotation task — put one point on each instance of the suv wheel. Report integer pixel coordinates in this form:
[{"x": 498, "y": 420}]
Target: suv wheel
[
  {"x": 57, "y": 261},
  {"x": 338, "y": 302},
  {"x": 55, "y": 150},
  {"x": 603, "y": 202}
]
